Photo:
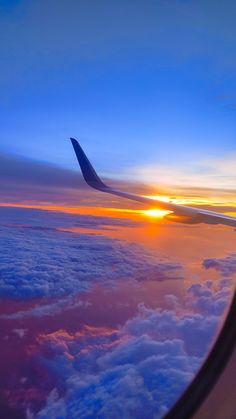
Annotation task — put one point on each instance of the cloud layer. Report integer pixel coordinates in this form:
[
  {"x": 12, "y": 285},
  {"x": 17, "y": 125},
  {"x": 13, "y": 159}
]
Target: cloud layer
[
  {"x": 40, "y": 260},
  {"x": 135, "y": 371},
  {"x": 135, "y": 368}
]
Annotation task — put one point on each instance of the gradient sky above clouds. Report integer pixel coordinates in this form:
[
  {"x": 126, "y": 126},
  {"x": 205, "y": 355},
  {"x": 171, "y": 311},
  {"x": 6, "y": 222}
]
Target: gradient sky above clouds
[{"x": 142, "y": 84}]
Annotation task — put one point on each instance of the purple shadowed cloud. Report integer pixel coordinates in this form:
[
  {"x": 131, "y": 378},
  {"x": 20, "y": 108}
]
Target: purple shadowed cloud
[
  {"x": 28, "y": 180},
  {"x": 226, "y": 266},
  {"x": 31, "y": 181},
  {"x": 25, "y": 171},
  {"x": 135, "y": 371}
]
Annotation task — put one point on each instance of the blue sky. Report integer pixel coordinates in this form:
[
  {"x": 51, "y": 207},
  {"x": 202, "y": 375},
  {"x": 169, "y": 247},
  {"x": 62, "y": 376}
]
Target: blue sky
[{"x": 139, "y": 83}]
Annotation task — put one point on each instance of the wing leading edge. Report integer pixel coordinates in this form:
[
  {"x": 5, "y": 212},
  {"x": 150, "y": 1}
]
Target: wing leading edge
[{"x": 188, "y": 214}]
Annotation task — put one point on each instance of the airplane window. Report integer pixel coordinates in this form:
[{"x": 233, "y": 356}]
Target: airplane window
[{"x": 117, "y": 247}]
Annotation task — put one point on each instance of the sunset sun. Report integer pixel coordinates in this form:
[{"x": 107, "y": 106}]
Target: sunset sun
[{"x": 156, "y": 212}]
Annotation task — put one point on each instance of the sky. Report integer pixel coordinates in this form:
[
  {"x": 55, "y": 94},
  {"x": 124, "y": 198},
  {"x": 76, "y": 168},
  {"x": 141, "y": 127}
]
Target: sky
[
  {"x": 148, "y": 88},
  {"x": 112, "y": 308}
]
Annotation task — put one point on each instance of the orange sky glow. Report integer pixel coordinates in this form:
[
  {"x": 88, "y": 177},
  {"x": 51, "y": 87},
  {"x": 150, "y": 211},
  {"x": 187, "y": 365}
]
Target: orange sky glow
[{"x": 94, "y": 207}]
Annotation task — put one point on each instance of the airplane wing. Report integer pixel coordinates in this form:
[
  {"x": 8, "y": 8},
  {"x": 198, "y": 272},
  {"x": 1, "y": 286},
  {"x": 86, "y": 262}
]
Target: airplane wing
[{"x": 179, "y": 213}]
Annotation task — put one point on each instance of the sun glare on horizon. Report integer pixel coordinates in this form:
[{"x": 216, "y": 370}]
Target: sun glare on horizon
[{"x": 156, "y": 212}]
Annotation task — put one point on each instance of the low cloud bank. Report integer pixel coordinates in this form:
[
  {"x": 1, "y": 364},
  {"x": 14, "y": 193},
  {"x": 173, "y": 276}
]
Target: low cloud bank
[
  {"x": 39, "y": 260},
  {"x": 137, "y": 370}
]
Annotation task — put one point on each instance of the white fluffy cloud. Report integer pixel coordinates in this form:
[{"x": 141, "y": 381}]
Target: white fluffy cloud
[
  {"x": 135, "y": 371},
  {"x": 40, "y": 260}
]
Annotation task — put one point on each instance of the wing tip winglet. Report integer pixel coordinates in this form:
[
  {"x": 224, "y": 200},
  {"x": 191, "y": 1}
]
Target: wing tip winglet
[{"x": 89, "y": 173}]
